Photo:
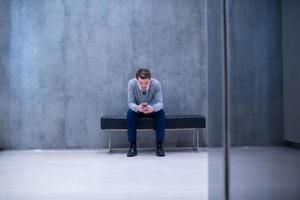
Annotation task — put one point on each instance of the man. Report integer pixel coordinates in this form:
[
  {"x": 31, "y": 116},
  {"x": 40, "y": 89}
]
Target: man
[{"x": 145, "y": 100}]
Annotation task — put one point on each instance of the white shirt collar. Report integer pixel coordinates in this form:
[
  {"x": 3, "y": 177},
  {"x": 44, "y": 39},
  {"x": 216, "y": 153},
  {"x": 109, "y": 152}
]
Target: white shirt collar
[{"x": 140, "y": 86}]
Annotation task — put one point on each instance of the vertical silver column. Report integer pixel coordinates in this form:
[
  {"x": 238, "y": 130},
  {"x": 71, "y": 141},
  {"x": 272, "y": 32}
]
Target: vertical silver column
[
  {"x": 226, "y": 102},
  {"x": 109, "y": 142}
]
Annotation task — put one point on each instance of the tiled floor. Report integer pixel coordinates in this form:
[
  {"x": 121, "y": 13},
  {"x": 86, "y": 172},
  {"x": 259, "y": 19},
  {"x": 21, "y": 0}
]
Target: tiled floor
[
  {"x": 89, "y": 175},
  {"x": 260, "y": 173}
]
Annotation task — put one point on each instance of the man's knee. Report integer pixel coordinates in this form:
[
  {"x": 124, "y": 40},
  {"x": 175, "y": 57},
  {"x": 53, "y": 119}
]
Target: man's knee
[
  {"x": 131, "y": 113},
  {"x": 160, "y": 113}
]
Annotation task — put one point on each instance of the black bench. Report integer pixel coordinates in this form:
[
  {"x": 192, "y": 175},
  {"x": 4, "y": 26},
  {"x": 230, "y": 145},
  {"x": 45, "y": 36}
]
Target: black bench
[{"x": 175, "y": 122}]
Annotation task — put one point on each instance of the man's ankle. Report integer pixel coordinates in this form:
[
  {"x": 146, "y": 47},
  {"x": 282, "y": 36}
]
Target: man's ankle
[
  {"x": 133, "y": 144},
  {"x": 159, "y": 143},
  {"x": 159, "y": 149}
]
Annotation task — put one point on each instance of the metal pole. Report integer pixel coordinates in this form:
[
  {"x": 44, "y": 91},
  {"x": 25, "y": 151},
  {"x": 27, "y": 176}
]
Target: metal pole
[
  {"x": 109, "y": 142},
  {"x": 226, "y": 92},
  {"x": 194, "y": 145},
  {"x": 198, "y": 147}
]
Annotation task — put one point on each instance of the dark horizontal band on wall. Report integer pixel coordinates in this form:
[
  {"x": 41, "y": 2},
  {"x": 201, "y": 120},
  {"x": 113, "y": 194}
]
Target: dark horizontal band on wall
[{"x": 292, "y": 144}]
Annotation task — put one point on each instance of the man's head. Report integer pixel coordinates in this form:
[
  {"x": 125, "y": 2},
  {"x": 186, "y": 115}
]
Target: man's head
[{"x": 143, "y": 77}]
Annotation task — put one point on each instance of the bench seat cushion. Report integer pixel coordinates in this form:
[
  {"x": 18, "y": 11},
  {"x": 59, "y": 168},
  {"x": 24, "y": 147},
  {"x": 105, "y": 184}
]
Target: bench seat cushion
[{"x": 172, "y": 122}]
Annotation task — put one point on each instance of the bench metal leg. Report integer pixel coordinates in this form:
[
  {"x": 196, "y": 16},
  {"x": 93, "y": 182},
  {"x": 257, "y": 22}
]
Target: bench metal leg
[
  {"x": 197, "y": 132},
  {"x": 196, "y": 140},
  {"x": 109, "y": 142}
]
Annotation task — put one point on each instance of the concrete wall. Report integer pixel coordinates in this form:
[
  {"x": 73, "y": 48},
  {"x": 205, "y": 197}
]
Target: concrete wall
[
  {"x": 291, "y": 66},
  {"x": 256, "y": 73},
  {"x": 70, "y": 62},
  {"x": 68, "y": 59},
  {"x": 4, "y": 69},
  {"x": 215, "y": 72}
]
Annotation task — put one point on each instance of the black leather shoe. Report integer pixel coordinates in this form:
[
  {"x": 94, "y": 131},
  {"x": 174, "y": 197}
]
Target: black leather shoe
[
  {"x": 132, "y": 151},
  {"x": 159, "y": 150}
]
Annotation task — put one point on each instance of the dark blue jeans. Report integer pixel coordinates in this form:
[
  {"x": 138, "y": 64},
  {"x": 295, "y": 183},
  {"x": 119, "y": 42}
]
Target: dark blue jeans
[{"x": 159, "y": 124}]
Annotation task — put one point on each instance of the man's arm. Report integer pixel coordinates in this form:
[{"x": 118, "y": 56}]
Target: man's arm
[
  {"x": 157, "y": 101},
  {"x": 131, "y": 98}
]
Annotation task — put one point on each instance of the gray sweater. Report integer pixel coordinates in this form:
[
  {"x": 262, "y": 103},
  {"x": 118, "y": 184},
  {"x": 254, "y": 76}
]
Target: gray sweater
[{"x": 153, "y": 95}]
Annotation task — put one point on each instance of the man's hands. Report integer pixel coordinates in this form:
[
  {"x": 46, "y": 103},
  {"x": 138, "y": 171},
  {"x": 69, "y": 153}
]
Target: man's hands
[{"x": 145, "y": 108}]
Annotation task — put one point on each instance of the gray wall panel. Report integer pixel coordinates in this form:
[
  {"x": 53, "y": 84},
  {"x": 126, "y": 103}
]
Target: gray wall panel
[
  {"x": 4, "y": 70},
  {"x": 215, "y": 72},
  {"x": 256, "y": 80},
  {"x": 71, "y": 61},
  {"x": 291, "y": 66},
  {"x": 255, "y": 73}
]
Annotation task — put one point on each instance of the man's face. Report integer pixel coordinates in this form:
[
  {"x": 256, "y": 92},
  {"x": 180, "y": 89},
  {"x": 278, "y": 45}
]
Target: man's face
[{"x": 143, "y": 83}]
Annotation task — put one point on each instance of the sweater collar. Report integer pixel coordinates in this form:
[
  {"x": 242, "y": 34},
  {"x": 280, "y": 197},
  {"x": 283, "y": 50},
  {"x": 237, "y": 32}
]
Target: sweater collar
[{"x": 140, "y": 86}]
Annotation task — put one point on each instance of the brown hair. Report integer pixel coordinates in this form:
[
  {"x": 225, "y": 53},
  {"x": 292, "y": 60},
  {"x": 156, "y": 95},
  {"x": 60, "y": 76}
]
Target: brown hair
[{"x": 143, "y": 73}]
